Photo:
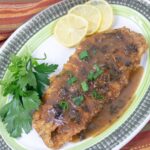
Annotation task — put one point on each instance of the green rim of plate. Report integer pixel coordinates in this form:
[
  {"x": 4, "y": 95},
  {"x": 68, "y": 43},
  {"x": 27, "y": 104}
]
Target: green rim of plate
[{"x": 37, "y": 30}]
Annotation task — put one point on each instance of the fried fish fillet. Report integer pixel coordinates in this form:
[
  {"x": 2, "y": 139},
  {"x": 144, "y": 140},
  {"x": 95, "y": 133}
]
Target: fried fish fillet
[{"x": 117, "y": 54}]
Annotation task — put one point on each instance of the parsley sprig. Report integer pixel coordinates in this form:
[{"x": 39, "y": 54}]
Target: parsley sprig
[{"x": 28, "y": 80}]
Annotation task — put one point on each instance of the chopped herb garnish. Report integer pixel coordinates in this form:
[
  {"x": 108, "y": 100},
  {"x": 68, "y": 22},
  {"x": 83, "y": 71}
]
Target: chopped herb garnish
[
  {"x": 90, "y": 76},
  {"x": 72, "y": 80},
  {"x": 97, "y": 96},
  {"x": 84, "y": 86},
  {"x": 63, "y": 105},
  {"x": 78, "y": 100},
  {"x": 84, "y": 55},
  {"x": 98, "y": 72},
  {"x": 27, "y": 82},
  {"x": 93, "y": 75},
  {"x": 96, "y": 67}
]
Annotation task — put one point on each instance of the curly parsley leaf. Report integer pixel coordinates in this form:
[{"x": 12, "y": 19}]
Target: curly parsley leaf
[
  {"x": 28, "y": 80},
  {"x": 41, "y": 73},
  {"x": 42, "y": 82},
  {"x": 16, "y": 118},
  {"x": 45, "y": 68},
  {"x": 31, "y": 100}
]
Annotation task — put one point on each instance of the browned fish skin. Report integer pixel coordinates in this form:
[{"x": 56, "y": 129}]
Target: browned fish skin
[{"x": 117, "y": 53}]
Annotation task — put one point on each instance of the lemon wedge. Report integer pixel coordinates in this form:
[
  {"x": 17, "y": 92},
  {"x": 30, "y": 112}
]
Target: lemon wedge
[
  {"x": 107, "y": 13},
  {"x": 70, "y": 30},
  {"x": 91, "y": 14}
]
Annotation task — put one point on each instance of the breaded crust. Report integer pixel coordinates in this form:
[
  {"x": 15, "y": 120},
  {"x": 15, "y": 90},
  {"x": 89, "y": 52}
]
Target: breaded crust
[{"x": 117, "y": 53}]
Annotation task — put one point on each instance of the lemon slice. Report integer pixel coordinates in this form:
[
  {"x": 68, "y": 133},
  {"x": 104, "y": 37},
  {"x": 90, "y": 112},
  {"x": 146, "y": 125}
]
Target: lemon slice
[
  {"x": 70, "y": 30},
  {"x": 107, "y": 13},
  {"x": 91, "y": 14}
]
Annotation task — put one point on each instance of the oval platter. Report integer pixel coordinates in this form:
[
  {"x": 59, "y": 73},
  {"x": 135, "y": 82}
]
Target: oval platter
[{"x": 36, "y": 38}]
